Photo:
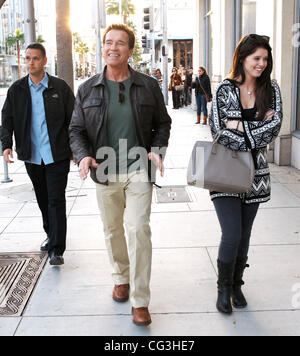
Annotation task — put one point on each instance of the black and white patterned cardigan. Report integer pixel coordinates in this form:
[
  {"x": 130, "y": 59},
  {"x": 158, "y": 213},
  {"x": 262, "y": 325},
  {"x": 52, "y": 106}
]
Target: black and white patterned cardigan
[{"x": 256, "y": 137}]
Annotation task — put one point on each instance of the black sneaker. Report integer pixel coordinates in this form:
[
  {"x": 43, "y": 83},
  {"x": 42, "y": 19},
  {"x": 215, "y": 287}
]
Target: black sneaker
[
  {"x": 56, "y": 260},
  {"x": 45, "y": 245}
]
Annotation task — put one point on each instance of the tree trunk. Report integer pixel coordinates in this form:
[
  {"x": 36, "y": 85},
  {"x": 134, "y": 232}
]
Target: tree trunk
[
  {"x": 1, "y": 3},
  {"x": 64, "y": 42}
]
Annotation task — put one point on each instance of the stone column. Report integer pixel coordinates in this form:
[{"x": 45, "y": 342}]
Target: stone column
[
  {"x": 198, "y": 43},
  {"x": 284, "y": 15}
]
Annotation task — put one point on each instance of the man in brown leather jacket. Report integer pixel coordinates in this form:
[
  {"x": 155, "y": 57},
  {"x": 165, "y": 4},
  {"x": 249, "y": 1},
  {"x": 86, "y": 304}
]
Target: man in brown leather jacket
[{"x": 118, "y": 113}]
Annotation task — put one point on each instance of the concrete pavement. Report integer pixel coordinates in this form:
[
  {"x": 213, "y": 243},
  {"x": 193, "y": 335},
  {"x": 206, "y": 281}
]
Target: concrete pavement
[{"x": 76, "y": 299}]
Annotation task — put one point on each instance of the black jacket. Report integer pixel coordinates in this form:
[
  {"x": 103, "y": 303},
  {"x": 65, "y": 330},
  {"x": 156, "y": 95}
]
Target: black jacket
[
  {"x": 205, "y": 83},
  {"x": 188, "y": 80},
  {"x": 16, "y": 118},
  {"x": 89, "y": 122}
]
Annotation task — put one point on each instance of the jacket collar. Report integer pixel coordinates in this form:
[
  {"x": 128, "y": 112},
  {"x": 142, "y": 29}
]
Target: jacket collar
[
  {"x": 101, "y": 79},
  {"x": 24, "y": 82}
]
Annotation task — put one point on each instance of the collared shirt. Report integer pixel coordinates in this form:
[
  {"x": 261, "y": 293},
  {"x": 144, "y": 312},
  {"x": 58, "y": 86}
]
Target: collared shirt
[{"x": 40, "y": 143}]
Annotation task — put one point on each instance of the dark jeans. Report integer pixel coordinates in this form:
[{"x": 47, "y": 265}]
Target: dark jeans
[
  {"x": 187, "y": 96},
  {"x": 176, "y": 98},
  {"x": 50, "y": 184},
  {"x": 201, "y": 104},
  {"x": 236, "y": 219}
]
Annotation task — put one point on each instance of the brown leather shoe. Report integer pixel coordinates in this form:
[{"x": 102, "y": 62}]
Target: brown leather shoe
[
  {"x": 141, "y": 316},
  {"x": 121, "y": 293}
]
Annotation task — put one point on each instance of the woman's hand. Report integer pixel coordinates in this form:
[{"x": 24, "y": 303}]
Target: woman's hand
[
  {"x": 235, "y": 125},
  {"x": 269, "y": 115}
]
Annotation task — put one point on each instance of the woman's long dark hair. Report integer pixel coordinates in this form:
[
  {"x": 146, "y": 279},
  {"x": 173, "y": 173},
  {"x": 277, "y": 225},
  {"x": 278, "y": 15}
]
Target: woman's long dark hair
[
  {"x": 204, "y": 70},
  {"x": 247, "y": 46}
]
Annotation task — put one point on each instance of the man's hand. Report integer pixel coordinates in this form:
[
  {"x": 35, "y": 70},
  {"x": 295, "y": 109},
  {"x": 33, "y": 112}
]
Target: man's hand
[
  {"x": 84, "y": 166},
  {"x": 7, "y": 154},
  {"x": 157, "y": 160}
]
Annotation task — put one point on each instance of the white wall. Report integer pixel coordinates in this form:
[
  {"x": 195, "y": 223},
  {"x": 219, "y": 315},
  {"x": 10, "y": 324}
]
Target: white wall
[{"x": 265, "y": 10}]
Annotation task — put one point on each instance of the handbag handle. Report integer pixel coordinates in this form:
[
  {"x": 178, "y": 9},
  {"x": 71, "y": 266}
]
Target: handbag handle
[
  {"x": 218, "y": 135},
  {"x": 214, "y": 150}
]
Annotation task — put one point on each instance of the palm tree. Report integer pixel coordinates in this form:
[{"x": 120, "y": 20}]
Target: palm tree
[
  {"x": 16, "y": 40},
  {"x": 81, "y": 48},
  {"x": 64, "y": 42},
  {"x": 113, "y": 8},
  {"x": 40, "y": 39},
  {"x": 137, "y": 53}
]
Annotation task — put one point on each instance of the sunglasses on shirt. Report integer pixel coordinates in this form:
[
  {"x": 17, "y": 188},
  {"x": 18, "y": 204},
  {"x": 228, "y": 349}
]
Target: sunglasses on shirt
[{"x": 121, "y": 93}]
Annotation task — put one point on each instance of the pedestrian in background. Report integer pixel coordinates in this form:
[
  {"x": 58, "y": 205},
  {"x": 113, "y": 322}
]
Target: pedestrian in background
[
  {"x": 247, "y": 112},
  {"x": 187, "y": 87},
  {"x": 159, "y": 78},
  {"x": 202, "y": 87},
  {"x": 191, "y": 73},
  {"x": 175, "y": 81},
  {"x": 154, "y": 73},
  {"x": 38, "y": 111},
  {"x": 180, "y": 70},
  {"x": 122, "y": 104}
]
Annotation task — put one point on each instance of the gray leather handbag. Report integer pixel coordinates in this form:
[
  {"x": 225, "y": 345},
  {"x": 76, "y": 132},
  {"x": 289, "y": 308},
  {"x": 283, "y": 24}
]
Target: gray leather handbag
[{"x": 214, "y": 167}]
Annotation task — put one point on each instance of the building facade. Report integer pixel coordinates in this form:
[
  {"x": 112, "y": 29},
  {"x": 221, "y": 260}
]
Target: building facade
[
  {"x": 219, "y": 26},
  {"x": 181, "y": 16},
  {"x": 10, "y": 20}
]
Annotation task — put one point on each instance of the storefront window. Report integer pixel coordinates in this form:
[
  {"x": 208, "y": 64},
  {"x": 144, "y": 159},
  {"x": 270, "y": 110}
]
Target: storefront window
[{"x": 183, "y": 53}]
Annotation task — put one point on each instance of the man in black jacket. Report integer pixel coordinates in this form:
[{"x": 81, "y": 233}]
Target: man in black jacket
[
  {"x": 121, "y": 113},
  {"x": 37, "y": 111}
]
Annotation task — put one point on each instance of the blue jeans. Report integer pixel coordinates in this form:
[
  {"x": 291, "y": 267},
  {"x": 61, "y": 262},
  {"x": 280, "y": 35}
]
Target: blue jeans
[{"x": 201, "y": 104}]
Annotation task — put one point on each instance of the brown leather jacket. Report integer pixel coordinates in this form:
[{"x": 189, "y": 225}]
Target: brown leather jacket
[{"x": 174, "y": 81}]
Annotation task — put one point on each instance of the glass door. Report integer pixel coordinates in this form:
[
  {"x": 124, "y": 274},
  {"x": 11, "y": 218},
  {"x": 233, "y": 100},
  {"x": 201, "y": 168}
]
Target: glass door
[{"x": 183, "y": 53}]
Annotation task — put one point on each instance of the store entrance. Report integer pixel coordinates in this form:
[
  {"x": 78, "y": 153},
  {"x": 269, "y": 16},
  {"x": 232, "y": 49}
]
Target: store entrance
[{"x": 183, "y": 53}]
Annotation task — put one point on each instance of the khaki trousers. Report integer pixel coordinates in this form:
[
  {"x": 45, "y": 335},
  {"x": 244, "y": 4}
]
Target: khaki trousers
[{"x": 129, "y": 201}]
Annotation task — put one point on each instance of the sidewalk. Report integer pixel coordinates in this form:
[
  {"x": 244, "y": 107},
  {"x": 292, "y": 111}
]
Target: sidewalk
[{"x": 76, "y": 299}]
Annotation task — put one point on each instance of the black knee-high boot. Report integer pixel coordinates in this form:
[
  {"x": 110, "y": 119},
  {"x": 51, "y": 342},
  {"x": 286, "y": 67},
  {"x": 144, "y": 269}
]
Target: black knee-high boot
[
  {"x": 238, "y": 298},
  {"x": 225, "y": 282}
]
